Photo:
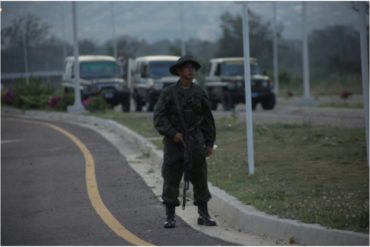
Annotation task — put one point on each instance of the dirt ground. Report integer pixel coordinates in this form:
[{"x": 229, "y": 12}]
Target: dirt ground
[{"x": 293, "y": 110}]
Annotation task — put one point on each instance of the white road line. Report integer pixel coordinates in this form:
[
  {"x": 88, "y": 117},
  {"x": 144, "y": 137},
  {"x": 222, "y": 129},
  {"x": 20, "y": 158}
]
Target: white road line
[{"x": 10, "y": 141}]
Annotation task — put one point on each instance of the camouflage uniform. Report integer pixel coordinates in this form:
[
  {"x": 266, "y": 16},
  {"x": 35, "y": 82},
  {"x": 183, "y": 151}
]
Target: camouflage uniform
[{"x": 168, "y": 123}]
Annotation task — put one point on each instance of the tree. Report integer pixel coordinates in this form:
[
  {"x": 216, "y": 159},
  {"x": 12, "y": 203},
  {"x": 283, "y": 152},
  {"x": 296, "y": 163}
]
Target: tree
[
  {"x": 28, "y": 25},
  {"x": 28, "y": 29},
  {"x": 335, "y": 49},
  {"x": 260, "y": 34},
  {"x": 88, "y": 47},
  {"x": 231, "y": 41},
  {"x": 126, "y": 46}
]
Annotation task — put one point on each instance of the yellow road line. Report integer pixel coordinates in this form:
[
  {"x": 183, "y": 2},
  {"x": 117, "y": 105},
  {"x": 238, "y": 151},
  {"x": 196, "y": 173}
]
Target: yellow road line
[{"x": 93, "y": 191}]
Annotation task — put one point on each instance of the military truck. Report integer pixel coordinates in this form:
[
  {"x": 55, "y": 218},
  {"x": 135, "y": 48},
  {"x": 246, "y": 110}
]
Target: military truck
[
  {"x": 99, "y": 76},
  {"x": 225, "y": 84},
  {"x": 149, "y": 76}
]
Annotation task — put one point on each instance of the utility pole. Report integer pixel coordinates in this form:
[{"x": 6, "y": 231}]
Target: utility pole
[
  {"x": 25, "y": 53},
  {"x": 365, "y": 68},
  {"x": 306, "y": 73},
  {"x": 77, "y": 107},
  {"x": 114, "y": 39},
  {"x": 63, "y": 35},
  {"x": 275, "y": 51},
  {"x": 248, "y": 97},
  {"x": 183, "y": 49},
  {"x": 307, "y": 99}
]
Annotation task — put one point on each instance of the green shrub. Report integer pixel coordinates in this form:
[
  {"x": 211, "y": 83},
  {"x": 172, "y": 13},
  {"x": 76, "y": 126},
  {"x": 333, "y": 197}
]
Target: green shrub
[
  {"x": 7, "y": 96},
  {"x": 60, "y": 102},
  {"x": 335, "y": 84},
  {"x": 33, "y": 95},
  {"x": 95, "y": 104},
  {"x": 32, "y": 102},
  {"x": 33, "y": 88}
]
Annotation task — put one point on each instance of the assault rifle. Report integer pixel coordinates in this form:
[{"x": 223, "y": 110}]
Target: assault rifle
[
  {"x": 188, "y": 146},
  {"x": 188, "y": 160}
]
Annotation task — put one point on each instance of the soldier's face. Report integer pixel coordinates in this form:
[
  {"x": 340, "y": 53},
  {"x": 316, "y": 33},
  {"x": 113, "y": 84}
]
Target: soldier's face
[{"x": 187, "y": 71}]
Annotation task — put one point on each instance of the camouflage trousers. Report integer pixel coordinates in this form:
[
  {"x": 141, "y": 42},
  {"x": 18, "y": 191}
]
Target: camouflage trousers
[{"x": 173, "y": 169}]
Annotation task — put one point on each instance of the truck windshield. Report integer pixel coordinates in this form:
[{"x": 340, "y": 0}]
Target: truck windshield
[
  {"x": 159, "y": 69},
  {"x": 98, "y": 69},
  {"x": 237, "y": 69}
]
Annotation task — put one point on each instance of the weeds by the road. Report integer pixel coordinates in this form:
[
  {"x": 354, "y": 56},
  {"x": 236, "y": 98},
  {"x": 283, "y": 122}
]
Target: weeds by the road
[
  {"x": 342, "y": 105},
  {"x": 310, "y": 173},
  {"x": 314, "y": 174}
]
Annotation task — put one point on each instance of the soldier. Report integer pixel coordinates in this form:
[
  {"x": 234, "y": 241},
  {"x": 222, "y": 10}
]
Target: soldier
[{"x": 192, "y": 101}]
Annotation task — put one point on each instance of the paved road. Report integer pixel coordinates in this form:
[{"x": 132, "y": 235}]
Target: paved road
[{"x": 45, "y": 185}]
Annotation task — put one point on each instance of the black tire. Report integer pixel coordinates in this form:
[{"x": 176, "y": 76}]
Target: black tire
[
  {"x": 227, "y": 102},
  {"x": 126, "y": 105},
  {"x": 268, "y": 102},
  {"x": 138, "y": 102},
  {"x": 151, "y": 104},
  {"x": 138, "y": 106},
  {"x": 254, "y": 104},
  {"x": 214, "y": 104}
]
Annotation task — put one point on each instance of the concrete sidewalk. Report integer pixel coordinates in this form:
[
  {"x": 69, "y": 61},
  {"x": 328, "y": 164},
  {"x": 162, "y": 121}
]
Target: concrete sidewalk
[{"x": 239, "y": 223}]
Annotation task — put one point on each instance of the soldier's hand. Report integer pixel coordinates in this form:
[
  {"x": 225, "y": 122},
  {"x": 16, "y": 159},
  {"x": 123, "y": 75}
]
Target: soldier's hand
[
  {"x": 178, "y": 138},
  {"x": 209, "y": 151}
]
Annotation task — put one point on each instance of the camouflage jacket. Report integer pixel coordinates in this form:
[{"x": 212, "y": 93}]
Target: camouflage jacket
[{"x": 168, "y": 123}]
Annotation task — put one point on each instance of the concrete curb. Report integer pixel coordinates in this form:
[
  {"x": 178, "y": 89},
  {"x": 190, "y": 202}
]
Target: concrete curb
[{"x": 243, "y": 217}]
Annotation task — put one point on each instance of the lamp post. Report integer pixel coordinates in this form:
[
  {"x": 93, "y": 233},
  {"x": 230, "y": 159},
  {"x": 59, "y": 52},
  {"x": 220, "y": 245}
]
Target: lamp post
[
  {"x": 114, "y": 32},
  {"x": 275, "y": 51},
  {"x": 183, "y": 49},
  {"x": 25, "y": 54},
  {"x": 77, "y": 107},
  {"x": 248, "y": 97},
  {"x": 306, "y": 73},
  {"x": 365, "y": 69}
]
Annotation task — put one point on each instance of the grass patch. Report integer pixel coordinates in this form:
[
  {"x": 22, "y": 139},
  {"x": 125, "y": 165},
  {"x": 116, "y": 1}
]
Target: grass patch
[
  {"x": 333, "y": 84},
  {"x": 343, "y": 105},
  {"x": 139, "y": 123},
  {"x": 314, "y": 174}
]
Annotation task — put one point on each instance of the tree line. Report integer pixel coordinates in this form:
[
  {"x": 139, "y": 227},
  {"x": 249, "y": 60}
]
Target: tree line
[{"x": 333, "y": 49}]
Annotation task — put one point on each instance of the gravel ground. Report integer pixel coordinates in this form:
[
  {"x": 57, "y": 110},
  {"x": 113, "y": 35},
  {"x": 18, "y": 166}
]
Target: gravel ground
[{"x": 288, "y": 111}]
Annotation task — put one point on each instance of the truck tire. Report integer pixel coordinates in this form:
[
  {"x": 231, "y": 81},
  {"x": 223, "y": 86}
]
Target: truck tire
[
  {"x": 151, "y": 104},
  {"x": 268, "y": 102},
  {"x": 254, "y": 104},
  {"x": 138, "y": 105},
  {"x": 126, "y": 104},
  {"x": 138, "y": 102},
  {"x": 214, "y": 104},
  {"x": 227, "y": 102}
]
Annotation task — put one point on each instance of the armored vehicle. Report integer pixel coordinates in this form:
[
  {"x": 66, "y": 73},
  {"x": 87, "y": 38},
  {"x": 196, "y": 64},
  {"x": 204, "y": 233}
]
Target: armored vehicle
[
  {"x": 225, "y": 84},
  {"x": 99, "y": 76}
]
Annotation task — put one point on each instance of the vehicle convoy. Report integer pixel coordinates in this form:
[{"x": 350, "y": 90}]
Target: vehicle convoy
[
  {"x": 225, "y": 84},
  {"x": 99, "y": 76},
  {"x": 150, "y": 75}
]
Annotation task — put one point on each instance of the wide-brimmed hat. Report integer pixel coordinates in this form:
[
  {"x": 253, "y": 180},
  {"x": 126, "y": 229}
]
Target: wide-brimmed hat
[{"x": 183, "y": 60}]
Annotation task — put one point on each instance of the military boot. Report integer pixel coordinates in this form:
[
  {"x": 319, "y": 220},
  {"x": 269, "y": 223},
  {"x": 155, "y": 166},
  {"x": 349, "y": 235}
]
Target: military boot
[
  {"x": 170, "y": 212},
  {"x": 204, "y": 217}
]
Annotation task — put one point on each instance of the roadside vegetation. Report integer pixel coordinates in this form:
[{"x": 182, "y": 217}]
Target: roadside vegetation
[
  {"x": 310, "y": 173},
  {"x": 304, "y": 172},
  {"x": 36, "y": 95}
]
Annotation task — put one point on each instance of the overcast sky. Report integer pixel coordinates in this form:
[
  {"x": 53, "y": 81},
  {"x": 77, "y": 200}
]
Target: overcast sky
[{"x": 160, "y": 20}]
